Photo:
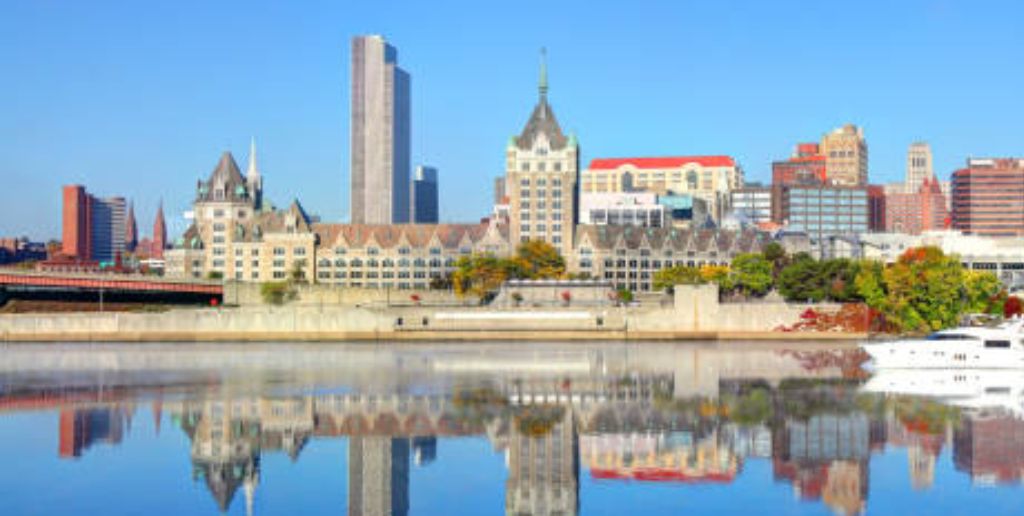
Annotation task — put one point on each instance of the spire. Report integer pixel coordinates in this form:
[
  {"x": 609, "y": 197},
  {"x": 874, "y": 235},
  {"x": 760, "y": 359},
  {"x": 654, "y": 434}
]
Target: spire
[
  {"x": 543, "y": 73},
  {"x": 131, "y": 233},
  {"x": 159, "y": 232},
  {"x": 252, "y": 171}
]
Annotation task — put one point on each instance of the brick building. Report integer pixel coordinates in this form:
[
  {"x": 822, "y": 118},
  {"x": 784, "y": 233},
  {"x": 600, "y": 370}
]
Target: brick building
[{"x": 988, "y": 197}]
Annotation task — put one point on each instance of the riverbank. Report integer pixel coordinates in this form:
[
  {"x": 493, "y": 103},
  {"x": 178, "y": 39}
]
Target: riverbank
[{"x": 694, "y": 314}]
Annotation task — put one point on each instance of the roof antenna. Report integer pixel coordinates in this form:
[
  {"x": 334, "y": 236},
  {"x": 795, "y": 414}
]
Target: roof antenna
[{"x": 543, "y": 73}]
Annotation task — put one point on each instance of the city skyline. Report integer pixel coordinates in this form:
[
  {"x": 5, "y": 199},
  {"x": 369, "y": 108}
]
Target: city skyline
[{"x": 117, "y": 107}]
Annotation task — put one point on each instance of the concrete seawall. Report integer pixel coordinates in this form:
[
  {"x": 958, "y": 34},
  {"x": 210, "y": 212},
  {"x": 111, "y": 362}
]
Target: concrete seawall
[{"x": 694, "y": 314}]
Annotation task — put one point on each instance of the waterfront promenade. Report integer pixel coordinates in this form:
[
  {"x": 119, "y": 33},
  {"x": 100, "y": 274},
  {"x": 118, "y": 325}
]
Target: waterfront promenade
[{"x": 694, "y": 314}]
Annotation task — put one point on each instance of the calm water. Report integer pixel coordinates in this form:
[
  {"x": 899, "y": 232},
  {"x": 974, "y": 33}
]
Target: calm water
[{"x": 515, "y": 429}]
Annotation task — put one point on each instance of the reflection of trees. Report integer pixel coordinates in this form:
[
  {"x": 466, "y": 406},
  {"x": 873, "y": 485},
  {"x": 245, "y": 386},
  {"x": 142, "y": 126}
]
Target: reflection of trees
[
  {"x": 924, "y": 416},
  {"x": 538, "y": 420}
]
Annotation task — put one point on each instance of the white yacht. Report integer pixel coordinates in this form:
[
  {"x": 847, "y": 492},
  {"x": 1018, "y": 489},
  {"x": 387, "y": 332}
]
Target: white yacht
[
  {"x": 967, "y": 347},
  {"x": 975, "y": 389}
]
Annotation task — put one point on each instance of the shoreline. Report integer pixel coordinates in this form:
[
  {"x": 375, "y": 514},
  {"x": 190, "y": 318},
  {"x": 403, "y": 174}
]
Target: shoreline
[{"x": 503, "y": 335}]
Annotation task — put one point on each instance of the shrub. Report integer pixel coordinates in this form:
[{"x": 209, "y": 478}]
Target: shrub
[{"x": 277, "y": 292}]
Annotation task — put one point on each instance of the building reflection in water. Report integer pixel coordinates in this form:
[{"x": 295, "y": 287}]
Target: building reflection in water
[
  {"x": 645, "y": 418},
  {"x": 80, "y": 429}
]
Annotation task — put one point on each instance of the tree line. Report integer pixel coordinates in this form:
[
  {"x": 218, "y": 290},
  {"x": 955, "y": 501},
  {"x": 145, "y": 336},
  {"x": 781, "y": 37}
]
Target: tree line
[{"x": 924, "y": 290}]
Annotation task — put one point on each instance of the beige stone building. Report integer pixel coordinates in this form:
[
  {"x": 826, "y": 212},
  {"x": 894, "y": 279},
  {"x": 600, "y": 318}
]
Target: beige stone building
[
  {"x": 708, "y": 178},
  {"x": 846, "y": 156},
  {"x": 628, "y": 256},
  {"x": 541, "y": 170},
  {"x": 919, "y": 166},
  {"x": 405, "y": 256}
]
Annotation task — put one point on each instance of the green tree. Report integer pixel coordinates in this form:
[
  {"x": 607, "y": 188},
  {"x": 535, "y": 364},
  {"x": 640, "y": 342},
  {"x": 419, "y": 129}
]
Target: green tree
[
  {"x": 924, "y": 290},
  {"x": 538, "y": 259},
  {"x": 776, "y": 254},
  {"x": 984, "y": 293},
  {"x": 479, "y": 275},
  {"x": 801, "y": 279},
  {"x": 665, "y": 279},
  {"x": 750, "y": 274}
]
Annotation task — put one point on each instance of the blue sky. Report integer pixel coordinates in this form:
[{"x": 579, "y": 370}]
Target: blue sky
[{"x": 140, "y": 98}]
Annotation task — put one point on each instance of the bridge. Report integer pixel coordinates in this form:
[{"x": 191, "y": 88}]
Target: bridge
[{"x": 15, "y": 279}]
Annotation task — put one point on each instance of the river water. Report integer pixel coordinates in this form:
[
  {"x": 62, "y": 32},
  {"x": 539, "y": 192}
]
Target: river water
[{"x": 514, "y": 428}]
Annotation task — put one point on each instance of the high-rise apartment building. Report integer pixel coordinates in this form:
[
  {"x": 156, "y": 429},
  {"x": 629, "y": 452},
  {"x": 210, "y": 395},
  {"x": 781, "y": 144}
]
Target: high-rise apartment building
[
  {"x": 108, "y": 229},
  {"x": 77, "y": 223},
  {"x": 94, "y": 228},
  {"x": 425, "y": 204},
  {"x": 542, "y": 165},
  {"x": 846, "y": 156},
  {"x": 988, "y": 197},
  {"x": 919, "y": 166},
  {"x": 380, "y": 134}
]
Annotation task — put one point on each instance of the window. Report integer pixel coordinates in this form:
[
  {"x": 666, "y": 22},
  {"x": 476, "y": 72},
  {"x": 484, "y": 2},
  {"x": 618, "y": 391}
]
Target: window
[
  {"x": 218, "y": 213},
  {"x": 339, "y": 262},
  {"x": 255, "y": 263},
  {"x": 255, "y": 252},
  {"x": 558, "y": 167},
  {"x": 339, "y": 250},
  {"x": 218, "y": 239},
  {"x": 372, "y": 251},
  {"x": 435, "y": 250},
  {"x": 279, "y": 263},
  {"x": 278, "y": 274},
  {"x": 404, "y": 250},
  {"x": 278, "y": 251},
  {"x": 218, "y": 226},
  {"x": 238, "y": 251},
  {"x": 524, "y": 166},
  {"x": 299, "y": 251}
]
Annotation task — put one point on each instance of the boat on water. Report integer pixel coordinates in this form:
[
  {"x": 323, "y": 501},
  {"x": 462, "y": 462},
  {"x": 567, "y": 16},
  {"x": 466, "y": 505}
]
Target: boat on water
[
  {"x": 999, "y": 346},
  {"x": 974, "y": 389}
]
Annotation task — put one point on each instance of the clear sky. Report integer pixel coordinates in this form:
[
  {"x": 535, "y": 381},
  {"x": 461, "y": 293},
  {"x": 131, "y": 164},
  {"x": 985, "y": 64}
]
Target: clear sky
[{"x": 140, "y": 98}]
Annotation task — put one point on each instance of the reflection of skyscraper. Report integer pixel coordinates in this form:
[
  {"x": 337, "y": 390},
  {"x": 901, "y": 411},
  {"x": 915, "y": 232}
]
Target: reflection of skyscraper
[
  {"x": 80, "y": 429},
  {"x": 424, "y": 450},
  {"x": 378, "y": 476},
  {"x": 543, "y": 464},
  {"x": 825, "y": 457},
  {"x": 990, "y": 448}
]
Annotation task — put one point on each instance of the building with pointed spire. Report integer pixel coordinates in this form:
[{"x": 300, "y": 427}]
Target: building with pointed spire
[
  {"x": 541, "y": 171},
  {"x": 253, "y": 177},
  {"x": 159, "y": 242},
  {"x": 131, "y": 230}
]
